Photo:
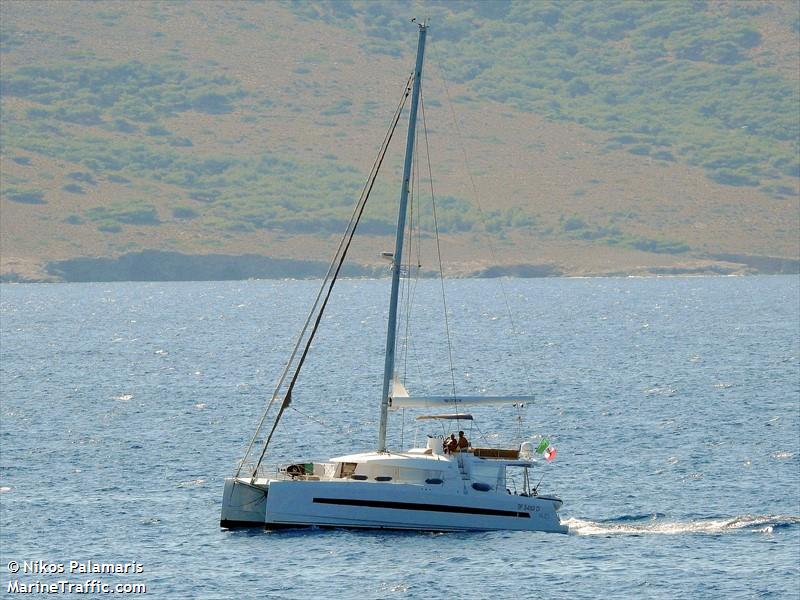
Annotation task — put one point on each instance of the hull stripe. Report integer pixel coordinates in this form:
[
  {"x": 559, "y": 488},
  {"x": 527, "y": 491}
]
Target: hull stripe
[{"x": 423, "y": 507}]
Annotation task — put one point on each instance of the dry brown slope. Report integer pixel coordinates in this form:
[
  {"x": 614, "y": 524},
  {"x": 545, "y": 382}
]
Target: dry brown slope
[{"x": 553, "y": 170}]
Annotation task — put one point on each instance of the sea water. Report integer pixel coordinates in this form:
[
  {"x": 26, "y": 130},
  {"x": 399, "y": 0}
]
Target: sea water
[{"x": 674, "y": 404}]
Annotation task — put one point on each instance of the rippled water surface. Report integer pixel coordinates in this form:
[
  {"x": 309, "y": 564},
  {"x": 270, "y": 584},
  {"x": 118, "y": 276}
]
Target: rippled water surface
[{"x": 674, "y": 405}]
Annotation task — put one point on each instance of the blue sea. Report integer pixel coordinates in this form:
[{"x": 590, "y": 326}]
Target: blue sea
[{"x": 674, "y": 404}]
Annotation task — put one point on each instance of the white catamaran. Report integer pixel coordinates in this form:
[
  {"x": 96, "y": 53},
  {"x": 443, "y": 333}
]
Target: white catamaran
[{"x": 425, "y": 489}]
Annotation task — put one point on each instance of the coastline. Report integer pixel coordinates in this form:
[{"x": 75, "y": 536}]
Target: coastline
[{"x": 156, "y": 265}]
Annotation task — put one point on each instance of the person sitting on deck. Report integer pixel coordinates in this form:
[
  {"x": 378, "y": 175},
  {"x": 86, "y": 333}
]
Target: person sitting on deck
[
  {"x": 463, "y": 442},
  {"x": 450, "y": 445}
]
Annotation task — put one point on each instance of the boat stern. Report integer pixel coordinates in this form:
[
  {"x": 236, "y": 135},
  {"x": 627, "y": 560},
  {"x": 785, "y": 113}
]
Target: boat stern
[{"x": 244, "y": 504}]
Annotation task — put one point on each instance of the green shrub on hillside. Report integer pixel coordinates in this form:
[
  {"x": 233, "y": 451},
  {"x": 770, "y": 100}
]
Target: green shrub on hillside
[
  {"x": 73, "y": 188},
  {"x": 658, "y": 246},
  {"x": 184, "y": 212},
  {"x": 83, "y": 177},
  {"x": 781, "y": 191},
  {"x": 109, "y": 227},
  {"x": 124, "y": 214},
  {"x": 670, "y": 80},
  {"x": 90, "y": 94},
  {"x": 573, "y": 224},
  {"x": 25, "y": 196},
  {"x": 731, "y": 177},
  {"x": 673, "y": 75}
]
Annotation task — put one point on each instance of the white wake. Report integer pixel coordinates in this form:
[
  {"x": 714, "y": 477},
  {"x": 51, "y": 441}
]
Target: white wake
[{"x": 658, "y": 526}]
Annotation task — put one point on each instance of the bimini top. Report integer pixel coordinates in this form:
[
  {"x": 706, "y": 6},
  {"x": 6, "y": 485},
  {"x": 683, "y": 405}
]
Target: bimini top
[
  {"x": 400, "y": 398},
  {"x": 461, "y": 417}
]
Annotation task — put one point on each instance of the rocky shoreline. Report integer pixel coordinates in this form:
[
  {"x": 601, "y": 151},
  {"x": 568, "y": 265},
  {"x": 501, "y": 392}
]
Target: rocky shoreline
[{"x": 154, "y": 265}]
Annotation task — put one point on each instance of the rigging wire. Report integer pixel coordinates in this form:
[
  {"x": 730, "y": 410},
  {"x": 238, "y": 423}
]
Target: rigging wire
[
  {"x": 418, "y": 271},
  {"x": 406, "y": 289},
  {"x": 401, "y": 342},
  {"x": 331, "y": 275},
  {"x": 403, "y": 429},
  {"x": 438, "y": 249},
  {"x": 483, "y": 435},
  {"x": 406, "y": 283},
  {"x": 413, "y": 225},
  {"x": 315, "y": 420},
  {"x": 287, "y": 399},
  {"x": 520, "y": 407},
  {"x": 514, "y": 330}
]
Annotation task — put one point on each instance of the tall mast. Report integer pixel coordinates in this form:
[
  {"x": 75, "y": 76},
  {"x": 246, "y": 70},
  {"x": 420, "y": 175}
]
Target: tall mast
[{"x": 391, "y": 333}]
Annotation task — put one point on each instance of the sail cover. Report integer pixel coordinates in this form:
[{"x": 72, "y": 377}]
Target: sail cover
[{"x": 461, "y": 417}]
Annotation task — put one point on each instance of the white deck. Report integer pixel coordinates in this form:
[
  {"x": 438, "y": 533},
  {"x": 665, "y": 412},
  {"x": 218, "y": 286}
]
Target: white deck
[{"x": 418, "y": 490}]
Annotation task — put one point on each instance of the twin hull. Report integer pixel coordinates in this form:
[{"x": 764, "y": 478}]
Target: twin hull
[{"x": 287, "y": 503}]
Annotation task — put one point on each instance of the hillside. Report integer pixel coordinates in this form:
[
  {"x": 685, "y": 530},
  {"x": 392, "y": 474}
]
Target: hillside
[{"x": 192, "y": 140}]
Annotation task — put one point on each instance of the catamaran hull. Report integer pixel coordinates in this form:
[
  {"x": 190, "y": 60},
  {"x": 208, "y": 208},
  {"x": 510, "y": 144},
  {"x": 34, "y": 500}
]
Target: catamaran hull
[
  {"x": 280, "y": 504},
  {"x": 243, "y": 504}
]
